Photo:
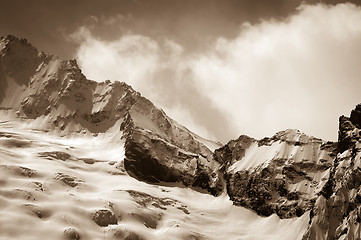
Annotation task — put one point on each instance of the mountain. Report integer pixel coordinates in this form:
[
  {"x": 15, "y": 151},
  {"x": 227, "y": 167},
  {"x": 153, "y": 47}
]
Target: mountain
[
  {"x": 337, "y": 211},
  {"x": 56, "y": 93},
  {"x": 291, "y": 173},
  {"x": 82, "y": 159},
  {"x": 282, "y": 174}
]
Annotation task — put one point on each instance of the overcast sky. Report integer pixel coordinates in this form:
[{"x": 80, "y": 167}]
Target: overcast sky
[{"x": 222, "y": 68}]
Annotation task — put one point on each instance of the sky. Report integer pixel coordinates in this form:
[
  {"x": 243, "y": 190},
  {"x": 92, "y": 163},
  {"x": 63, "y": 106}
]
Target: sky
[{"x": 222, "y": 68}]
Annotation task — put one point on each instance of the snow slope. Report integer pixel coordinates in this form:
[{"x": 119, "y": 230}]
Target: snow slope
[{"x": 57, "y": 186}]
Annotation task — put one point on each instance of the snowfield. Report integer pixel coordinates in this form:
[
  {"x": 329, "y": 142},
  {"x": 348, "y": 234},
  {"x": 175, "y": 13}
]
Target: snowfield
[{"x": 75, "y": 187}]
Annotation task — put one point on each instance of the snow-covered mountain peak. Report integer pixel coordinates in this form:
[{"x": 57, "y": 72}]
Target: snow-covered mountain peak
[
  {"x": 290, "y": 136},
  {"x": 285, "y": 171},
  {"x": 59, "y": 98}
]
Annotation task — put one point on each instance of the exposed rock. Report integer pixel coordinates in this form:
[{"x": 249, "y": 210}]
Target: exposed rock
[
  {"x": 345, "y": 140},
  {"x": 87, "y": 160},
  {"x": 20, "y": 171},
  {"x": 157, "y": 150},
  {"x": 355, "y": 116},
  {"x": 68, "y": 180},
  {"x": 63, "y": 156},
  {"x": 122, "y": 234},
  {"x": 153, "y": 160},
  {"x": 148, "y": 201},
  {"x": 233, "y": 150},
  {"x": 336, "y": 214},
  {"x": 19, "y": 59},
  {"x": 71, "y": 234},
  {"x": 194, "y": 236},
  {"x": 104, "y": 217},
  {"x": 133, "y": 236},
  {"x": 282, "y": 174}
]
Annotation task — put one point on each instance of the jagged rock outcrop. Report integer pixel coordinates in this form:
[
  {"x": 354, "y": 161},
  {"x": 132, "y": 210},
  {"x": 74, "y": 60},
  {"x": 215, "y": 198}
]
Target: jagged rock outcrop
[
  {"x": 282, "y": 174},
  {"x": 160, "y": 150},
  {"x": 56, "y": 94},
  {"x": 337, "y": 212},
  {"x": 104, "y": 217}
]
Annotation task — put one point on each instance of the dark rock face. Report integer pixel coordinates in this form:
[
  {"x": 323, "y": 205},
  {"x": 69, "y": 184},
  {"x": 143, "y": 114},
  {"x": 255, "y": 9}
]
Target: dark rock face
[
  {"x": 345, "y": 141},
  {"x": 19, "y": 59},
  {"x": 355, "y": 116},
  {"x": 336, "y": 214},
  {"x": 233, "y": 150},
  {"x": 71, "y": 234},
  {"x": 104, "y": 217},
  {"x": 125, "y": 235},
  {"x": 287, "y": 178},
  {"x": 68, "y": 180},
  {"x": 159, "y": 150},
  {"x": 155, "y": 161}
]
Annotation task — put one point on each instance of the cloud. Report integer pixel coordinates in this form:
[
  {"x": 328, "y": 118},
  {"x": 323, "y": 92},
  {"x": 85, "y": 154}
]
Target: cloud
[
  {"x": 301, "y": 72},
  {"x": 159, "y": 70},
  {"x": 132, "y": 58}
]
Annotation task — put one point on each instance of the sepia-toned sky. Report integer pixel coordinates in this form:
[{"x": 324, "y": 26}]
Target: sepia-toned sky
[{"x": 222, "y": 68}]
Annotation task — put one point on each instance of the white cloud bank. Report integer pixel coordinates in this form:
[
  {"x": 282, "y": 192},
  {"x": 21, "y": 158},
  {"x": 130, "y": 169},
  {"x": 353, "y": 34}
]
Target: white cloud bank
[{"x": 302, "y": 72}]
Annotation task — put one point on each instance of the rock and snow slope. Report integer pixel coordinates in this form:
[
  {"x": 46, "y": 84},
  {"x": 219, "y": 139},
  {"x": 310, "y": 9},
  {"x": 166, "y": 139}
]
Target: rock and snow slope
[
  {"x": 282, "y": 174},
  {"x": 291, "y": 173},
  {"x": 75, "y": 187},
  {"x": 81, "y": 159},
  {"x": 337, "y": 212},
  {"x": 57, "y": 95}
]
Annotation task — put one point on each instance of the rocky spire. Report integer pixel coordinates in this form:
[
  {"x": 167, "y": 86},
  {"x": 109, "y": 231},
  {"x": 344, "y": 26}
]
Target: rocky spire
[{"x": 337, "y": 211}]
